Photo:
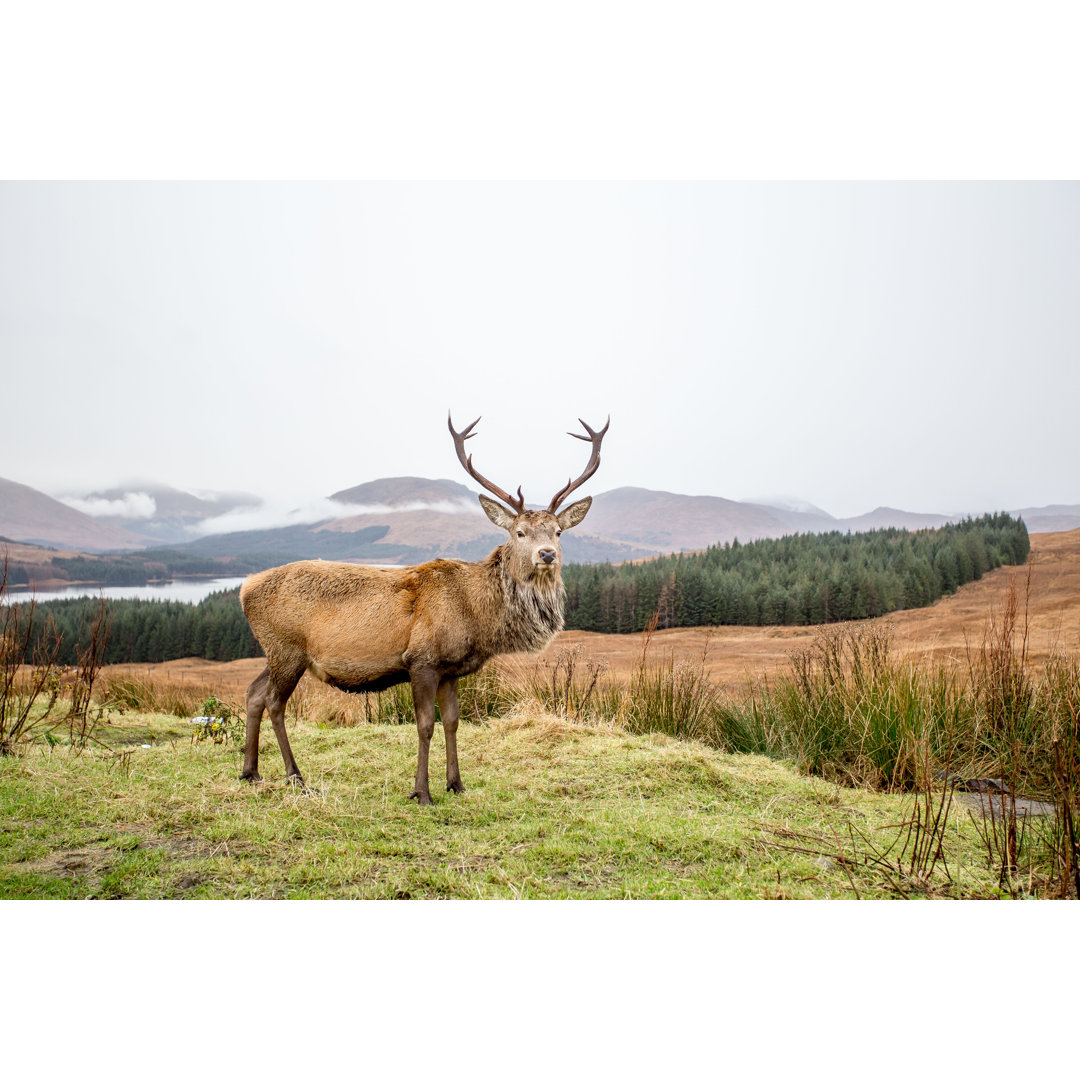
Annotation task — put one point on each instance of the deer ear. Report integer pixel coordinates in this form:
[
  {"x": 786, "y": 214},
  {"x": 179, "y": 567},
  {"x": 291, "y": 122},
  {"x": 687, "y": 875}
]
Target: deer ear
[
  {"x": 497, "y": 515},
  {"x": 574, "y": 513}
]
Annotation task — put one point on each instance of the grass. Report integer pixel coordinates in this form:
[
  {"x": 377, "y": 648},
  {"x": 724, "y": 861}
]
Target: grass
[
  {"x": 553, "y": 809},
  {"x": 833, "y": 778}
]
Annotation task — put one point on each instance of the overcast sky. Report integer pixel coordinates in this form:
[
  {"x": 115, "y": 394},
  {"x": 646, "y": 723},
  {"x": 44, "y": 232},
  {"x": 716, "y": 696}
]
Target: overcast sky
[{"x": 850, "y": 344}]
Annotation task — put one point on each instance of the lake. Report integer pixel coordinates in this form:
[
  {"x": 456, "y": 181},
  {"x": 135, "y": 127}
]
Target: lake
[{"x": 188, "y": 590}]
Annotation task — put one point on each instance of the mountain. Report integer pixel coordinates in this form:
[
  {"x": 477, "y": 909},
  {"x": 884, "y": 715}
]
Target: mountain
[
  {"x": 402, "y": 519},
  {"x": 461, "y": 534},
  {"x": 427, "y": 519},
  {"x": 804, "y": 518},
  {"x": 31, "y": 515},
  {"x": 401, "y": 491},
  {"x": 885, "y": 517},
  {"x": 665, "y": 522},
  {"x": 407, "y": 519},
  {"x": 418, "y": 518},
  {"x": 158, "y": 512},
  {"x": 1056, "y": 518}
]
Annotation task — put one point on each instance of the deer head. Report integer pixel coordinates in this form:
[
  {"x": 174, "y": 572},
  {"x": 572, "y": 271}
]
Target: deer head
[{"x": 533, "y": 550}]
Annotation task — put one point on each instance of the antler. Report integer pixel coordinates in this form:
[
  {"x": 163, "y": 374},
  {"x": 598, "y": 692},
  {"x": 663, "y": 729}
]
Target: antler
[
  {"x": 518, "y": 504},
  {"x": 594, "y": 437}
]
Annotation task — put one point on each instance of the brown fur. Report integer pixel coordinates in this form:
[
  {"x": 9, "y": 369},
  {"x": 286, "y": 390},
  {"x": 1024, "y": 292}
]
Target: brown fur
[{"x": 363, "y": 628}]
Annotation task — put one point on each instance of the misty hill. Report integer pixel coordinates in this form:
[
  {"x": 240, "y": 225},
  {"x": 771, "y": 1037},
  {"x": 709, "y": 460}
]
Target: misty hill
[
  {"x": 30, "y": 515},
  {"x": 404, "y": 490},
  {"x": 665, "y": 522},
  {"x": 804, "y": 518},
  {"x": 404, "y": 519},
  {"x": 672, "y": 522},
  {"x": 410, "y": 536},
  {"x": 289, "y": 543},
  {"x": 427, "y": 519},
  {"x": 1055, "y": 518},
  {"x": 158, "y": 512},
  {"x": 407, "y": 519},
  {"x": 412, "y": 519},
  {"x": 885, "y": 517}
]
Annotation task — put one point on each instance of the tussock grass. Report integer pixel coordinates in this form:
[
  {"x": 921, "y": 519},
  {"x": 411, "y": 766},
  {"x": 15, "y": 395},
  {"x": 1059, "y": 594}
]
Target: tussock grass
[
  {"x": 846, "y": 711},
  {"x": 145, "y": 694},
  {"x": 849, "y": 712},
  {"x": 555, "y": 807}
]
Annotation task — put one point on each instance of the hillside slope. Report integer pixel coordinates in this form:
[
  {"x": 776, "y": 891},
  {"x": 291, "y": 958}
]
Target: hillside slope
[
  {"x": 942, "y": 631},
  {"x": 421, "y": 519},
  {"x": 31, "y": 515},
  {"x": 399, "y": 491},
  {"x": 667, "y": 522},
  {"x": 735, "y": 654},
  {"x": 175, "y": 513}
]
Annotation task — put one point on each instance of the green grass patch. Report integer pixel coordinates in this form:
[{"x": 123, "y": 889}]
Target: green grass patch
[{"x": 553, "y": 809}]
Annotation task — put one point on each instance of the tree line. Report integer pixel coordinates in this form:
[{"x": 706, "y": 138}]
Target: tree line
[
  {"x": 150, "y": 631},
  {"x": 795, "y": 580}
]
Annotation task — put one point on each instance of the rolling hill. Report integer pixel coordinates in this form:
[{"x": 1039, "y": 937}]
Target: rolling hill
[
  {"x": 158, "y": 513},
  {"x": 30, "y": 515},
  {"x": 411, "y": 519},
  {"x": 404, "y": 491},
  {"x": 734, "y": 655}
]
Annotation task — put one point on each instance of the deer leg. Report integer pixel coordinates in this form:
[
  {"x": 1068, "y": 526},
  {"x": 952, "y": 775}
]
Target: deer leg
[
  {"x": 448, "y": 709},
  {"x": 275, "y": 700},
  {"x": 424, "y": 685},
  {"x": 255, "y": 702}
]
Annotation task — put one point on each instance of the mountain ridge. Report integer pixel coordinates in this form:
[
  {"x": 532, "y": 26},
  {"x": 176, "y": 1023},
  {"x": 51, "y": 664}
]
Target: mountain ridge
[
  {"x": 411, "y": 519},
  {"x": 29, "y": 515}
]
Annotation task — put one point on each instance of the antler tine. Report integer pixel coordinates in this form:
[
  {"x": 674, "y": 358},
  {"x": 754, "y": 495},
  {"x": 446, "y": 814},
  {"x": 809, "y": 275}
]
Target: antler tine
[
  {"x": 594, "y": 437},
  {"x": 518, "y": 504}
]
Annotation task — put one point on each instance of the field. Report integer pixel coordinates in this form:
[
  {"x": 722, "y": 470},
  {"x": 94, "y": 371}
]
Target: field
[
  {"x": 553, "y": 809},
  {"x": 632, "y": 792},
  {"x": 734, "y": 654}
]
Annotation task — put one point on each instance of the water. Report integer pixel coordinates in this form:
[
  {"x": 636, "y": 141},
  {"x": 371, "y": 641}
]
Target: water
[{"x": 189, "y": 590}]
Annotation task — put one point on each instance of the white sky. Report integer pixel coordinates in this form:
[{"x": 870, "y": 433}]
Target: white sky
[{"x": 853, "y": 344}]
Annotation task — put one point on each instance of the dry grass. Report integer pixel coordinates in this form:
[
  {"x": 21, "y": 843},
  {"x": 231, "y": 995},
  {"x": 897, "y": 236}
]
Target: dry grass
[
  {"x": 738, "y": 655},
  {"x": 132, "y": 693},
  {"x": 569, "y": 731}
]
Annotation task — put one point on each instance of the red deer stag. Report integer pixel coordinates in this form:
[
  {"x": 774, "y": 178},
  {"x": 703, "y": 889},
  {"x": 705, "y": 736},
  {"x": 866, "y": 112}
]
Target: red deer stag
[{"x": 364, "y": 628}]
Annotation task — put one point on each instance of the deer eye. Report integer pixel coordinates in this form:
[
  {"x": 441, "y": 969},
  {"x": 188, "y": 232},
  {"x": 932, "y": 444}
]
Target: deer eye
[
  {"x": 521, "y": 534},
  {"x": 558, "y": 532}
]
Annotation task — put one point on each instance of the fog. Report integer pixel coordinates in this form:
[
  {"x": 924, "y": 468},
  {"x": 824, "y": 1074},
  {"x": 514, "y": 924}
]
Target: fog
[{"x": 846, "y": 344}]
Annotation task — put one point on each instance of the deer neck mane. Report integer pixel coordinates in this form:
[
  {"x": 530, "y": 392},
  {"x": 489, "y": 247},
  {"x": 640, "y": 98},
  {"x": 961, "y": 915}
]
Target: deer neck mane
[{"x": 532, "y": 611}]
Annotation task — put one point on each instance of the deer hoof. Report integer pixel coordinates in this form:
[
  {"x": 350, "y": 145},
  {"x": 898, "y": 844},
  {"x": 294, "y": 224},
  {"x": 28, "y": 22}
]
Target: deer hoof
[
  {"x": 251, "y": 777},
  {"x": 423, "y": 798},
  {"x": 296, "y": 781},
  {"x": 455, "y": 786}
]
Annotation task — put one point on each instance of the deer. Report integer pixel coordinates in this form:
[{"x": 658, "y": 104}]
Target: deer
[{"x": 366, "y": 628}]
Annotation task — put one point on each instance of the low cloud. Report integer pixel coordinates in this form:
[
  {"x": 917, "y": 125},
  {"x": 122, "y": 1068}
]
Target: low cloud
[
  {"x": 135, "y": 505},
  {"x": 445, "y": 506},
  {"x": 269, "y": 516}
]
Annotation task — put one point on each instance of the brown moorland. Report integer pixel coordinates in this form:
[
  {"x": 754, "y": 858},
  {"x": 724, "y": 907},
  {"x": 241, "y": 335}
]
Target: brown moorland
[
  {"x": 736, "y": 654},
  {"x": 35, "y": 555}
]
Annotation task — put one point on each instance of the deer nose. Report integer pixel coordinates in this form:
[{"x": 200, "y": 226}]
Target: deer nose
[{"x": 548, "y": 555}]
